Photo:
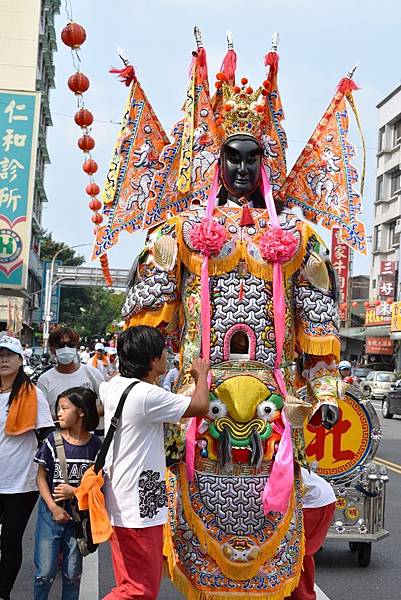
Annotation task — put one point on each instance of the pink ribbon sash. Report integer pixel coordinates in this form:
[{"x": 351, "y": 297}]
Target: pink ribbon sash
[
  {"x": 278, "y": 489},
  {"x": 205, "y": 324}
]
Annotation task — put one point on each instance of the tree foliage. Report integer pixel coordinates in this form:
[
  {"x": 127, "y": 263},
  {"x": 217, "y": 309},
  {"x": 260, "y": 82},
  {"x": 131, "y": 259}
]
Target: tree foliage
[
  {"x": 90, "y": 310},
  {"x": 49, "y": 247}
]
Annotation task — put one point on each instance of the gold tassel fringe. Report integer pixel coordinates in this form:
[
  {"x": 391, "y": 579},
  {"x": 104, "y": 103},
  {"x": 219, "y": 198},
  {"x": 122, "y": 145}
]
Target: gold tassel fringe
[
  {"x": 154, "y": 318},
  {"x": 319, "y": 346},
  {"x": 218, "y": 266}
]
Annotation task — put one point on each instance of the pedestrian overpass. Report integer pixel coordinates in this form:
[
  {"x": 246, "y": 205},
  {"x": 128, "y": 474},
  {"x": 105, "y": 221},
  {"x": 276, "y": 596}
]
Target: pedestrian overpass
[{"x": 89, "y": 276}]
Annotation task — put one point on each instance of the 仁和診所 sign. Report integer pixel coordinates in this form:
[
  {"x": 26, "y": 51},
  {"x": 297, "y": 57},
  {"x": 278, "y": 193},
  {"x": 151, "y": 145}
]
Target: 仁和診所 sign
[{"x": 18, "y": 143}]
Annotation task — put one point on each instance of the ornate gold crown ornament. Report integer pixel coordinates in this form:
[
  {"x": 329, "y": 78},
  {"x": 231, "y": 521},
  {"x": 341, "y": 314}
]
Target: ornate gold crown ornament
[{"x": 243, "y": 110}]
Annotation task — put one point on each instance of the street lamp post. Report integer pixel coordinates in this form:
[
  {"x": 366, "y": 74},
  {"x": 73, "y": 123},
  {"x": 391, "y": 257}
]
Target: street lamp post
[{"x": 48, "y": 292}]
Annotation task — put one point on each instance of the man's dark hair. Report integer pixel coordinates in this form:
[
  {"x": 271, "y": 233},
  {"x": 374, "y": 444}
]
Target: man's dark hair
[
  {"x": 137, "y": 346},
  {"x": 85, "y": 399},
  {"x": 56, "y": 336}
]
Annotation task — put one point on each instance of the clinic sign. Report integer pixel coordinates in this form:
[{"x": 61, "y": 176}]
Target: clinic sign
[{"x": 18, "y": 142}]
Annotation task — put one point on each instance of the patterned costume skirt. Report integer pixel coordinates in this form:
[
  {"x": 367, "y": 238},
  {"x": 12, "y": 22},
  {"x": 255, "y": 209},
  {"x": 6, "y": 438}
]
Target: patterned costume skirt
[{"x": 219, "y": 543}]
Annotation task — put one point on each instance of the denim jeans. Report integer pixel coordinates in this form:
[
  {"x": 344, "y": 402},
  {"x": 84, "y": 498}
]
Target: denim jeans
[{"x": 51, "y": 539}]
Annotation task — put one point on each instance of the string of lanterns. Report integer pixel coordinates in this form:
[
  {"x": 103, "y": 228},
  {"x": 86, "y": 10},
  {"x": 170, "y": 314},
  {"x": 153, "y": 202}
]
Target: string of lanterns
[
  {"x": 367, "y": 304},
  {"x": 74, "y": 35}
]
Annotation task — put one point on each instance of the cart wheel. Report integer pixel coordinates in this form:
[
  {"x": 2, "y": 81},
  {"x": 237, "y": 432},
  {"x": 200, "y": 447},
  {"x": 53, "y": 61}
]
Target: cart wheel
[
  {"x": 363, "y": 553},
  {"x": 353, "y": 546}
]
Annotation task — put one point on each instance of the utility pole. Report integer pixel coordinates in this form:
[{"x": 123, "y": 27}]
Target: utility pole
[{"x": 48, "y": 293}]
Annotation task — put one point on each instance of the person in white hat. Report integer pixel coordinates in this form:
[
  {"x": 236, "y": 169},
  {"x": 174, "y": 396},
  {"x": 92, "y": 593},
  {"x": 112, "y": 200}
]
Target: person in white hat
[
  {"x": 100, "y": 361},
  {"x": 24, "y": 412},
  {"x": 113, "y": 359}
]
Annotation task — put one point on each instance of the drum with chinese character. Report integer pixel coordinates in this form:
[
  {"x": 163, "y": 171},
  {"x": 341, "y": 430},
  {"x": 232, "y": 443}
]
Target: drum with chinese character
[
  {"x": 341, "y": 452},
  {"x": 344, "y": 456}
]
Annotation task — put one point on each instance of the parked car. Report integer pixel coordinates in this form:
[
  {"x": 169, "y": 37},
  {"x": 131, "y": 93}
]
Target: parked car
[
  {"x": 391, "y": 404},
  {"x": 377, "y": 384},
  {"x": 361, "y": 372}
]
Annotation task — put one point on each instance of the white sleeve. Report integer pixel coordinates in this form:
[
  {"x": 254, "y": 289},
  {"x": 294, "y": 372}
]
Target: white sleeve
[
  {"x": 44, "y": 417},
  {"x": 161, "y": 406},
  {"x": 41, "y": 383}
]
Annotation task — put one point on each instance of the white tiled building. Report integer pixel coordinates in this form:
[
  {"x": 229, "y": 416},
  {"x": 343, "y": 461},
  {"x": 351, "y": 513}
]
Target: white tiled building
[{"x": 387, "y": 216}]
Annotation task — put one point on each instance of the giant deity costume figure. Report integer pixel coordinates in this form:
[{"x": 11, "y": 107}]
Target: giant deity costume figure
[{"x": 229, "y": 271}]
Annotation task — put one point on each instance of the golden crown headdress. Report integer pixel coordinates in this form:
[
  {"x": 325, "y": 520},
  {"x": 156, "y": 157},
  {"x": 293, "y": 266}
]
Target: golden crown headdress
[{"x": 242, "y": 110}]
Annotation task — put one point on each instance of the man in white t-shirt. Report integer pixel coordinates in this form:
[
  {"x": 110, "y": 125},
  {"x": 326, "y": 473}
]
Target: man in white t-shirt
[
  {"x": 134, "y": 487},
  {"x": 318, "y": 506},
  {"x": 68, "y": 372}
]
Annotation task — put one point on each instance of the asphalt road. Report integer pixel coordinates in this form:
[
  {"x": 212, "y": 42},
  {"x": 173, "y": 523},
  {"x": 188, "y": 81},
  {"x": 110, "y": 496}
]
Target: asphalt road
[{"x": 338, "y": 574}]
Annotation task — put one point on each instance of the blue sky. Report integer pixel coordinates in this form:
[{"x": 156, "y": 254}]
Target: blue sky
[{"x": 319, "y": 43}]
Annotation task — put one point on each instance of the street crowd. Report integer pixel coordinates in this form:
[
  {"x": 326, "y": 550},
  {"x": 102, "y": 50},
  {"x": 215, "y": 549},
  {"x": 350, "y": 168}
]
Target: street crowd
[{"x": 51, "y": 433}]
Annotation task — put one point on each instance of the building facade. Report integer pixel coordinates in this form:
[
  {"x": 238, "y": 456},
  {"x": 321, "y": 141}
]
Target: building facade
[
  {"x": 27, "y": 44},
  {"x": 387, "y": 206}
]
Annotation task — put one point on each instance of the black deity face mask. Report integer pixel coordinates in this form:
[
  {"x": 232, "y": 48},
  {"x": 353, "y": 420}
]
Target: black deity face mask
[{"x": 241, "y": 159}]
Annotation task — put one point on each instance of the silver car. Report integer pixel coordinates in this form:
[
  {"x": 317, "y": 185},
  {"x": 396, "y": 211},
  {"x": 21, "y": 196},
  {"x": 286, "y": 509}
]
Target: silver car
[{"x": 378, "y": 383}]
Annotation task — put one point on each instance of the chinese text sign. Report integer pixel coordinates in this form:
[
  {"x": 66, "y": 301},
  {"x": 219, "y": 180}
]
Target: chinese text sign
[{"x": 18, "y": 142}]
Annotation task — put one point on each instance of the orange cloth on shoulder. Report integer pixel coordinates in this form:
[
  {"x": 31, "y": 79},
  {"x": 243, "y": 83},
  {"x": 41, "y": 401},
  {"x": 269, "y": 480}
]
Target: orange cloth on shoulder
[
  {"x": 90, "y": 496},
  {"x": 23, "y": 411},
  {"x": 95, "y": 359}
]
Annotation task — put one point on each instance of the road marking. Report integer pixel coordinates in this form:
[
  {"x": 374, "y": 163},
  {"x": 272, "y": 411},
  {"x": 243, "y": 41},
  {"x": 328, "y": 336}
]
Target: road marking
[
  {"x": 90, "y": 585},
  {"x": 320, "y": 595},
  {"x": 396, "y": 468},
  {"x": 90, "y": 578}
]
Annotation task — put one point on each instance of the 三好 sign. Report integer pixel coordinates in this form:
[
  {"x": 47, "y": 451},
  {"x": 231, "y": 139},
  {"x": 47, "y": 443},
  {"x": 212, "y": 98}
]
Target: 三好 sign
[{"x": 18, "y": 142}]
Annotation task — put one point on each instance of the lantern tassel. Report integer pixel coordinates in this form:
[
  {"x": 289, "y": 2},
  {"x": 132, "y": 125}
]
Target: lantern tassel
[{"x": 126, "y": 75}]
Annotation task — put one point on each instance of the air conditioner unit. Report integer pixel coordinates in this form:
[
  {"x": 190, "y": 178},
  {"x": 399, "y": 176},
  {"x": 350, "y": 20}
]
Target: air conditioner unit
[
  {"x": 397, "y": 229},
  {"x": 35, "y": 302}
]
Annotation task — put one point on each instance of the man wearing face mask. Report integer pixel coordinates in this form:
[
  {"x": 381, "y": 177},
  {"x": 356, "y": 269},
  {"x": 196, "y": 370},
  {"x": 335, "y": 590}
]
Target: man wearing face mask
[{"x": 69, "y": 372}]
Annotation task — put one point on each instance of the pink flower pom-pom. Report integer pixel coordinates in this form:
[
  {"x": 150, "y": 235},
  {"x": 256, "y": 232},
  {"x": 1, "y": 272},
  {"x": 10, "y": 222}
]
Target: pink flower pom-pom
[
  {"x": 277, "y": 245},
  {"x": 208, "y": 236}
]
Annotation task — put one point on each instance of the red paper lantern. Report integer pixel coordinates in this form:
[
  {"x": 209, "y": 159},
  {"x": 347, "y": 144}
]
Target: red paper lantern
[
  {"x": 83, "y": 118},
  {"x": 86, "y": 143},
  {"x": 73, "y": 35},
  {"x": 97, "y": 218},
  {"x": 78, "y": 83},
  {"x": 390, "y": 300},
  {"x": 92, "y": 189},
  {"x": 95, "y": 204},
  {"x": 354, "y": 304},
  {"x": 366, "y": 304},
  {"x": 90, "y": 166},
  {"x": 377, "y": 303}
]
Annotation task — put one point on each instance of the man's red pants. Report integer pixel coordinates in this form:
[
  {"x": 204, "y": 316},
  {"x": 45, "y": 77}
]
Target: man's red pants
[
  {"x": 137, "y": 562},
  {"x": 316, "y": 525}
]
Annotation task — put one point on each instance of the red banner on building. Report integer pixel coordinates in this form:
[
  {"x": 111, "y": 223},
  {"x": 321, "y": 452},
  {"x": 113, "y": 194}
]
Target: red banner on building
[
  {"x": 340, "y": 254},
  {"x": 386, "y": 284},
  {"x": 378, "y": 345},
  {"x": 374, "y": 318}
]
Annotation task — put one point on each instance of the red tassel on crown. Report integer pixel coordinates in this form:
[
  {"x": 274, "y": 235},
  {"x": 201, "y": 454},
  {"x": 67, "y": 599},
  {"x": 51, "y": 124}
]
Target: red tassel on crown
[
  {"x": 126, "y": 75},
  {"x": 347, "y": 85},
  {"x": 229, "y": 66},
  {"x": 271, "y": 60}
]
